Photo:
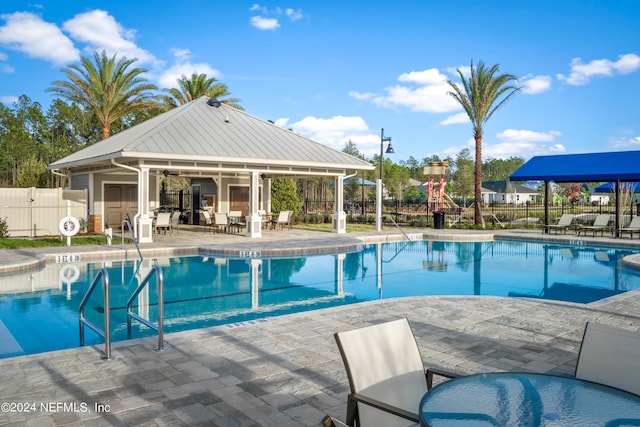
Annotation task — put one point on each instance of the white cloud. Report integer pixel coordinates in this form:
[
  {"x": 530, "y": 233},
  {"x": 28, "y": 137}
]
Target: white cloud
[
  {"x": 28, "y": 33},
  {"x": 184, "y": 67},
  {"x": 264, "y": 23},
  {"x": 626, "y": 143},
  {"x": 334, "y": 132},
  {"x": 362, "y": 96},
  {"x": 427, "y": 77},
  {"x": 536, "y": 84},
  {"x": 9, "y": 100},
  {"x": 294, "y": 15},
  {"x": 582, "y": 73},
  {"x": 257, "y": 7},
  {"x": 100, "y": 31},
  {"x": 513, "y": 135},
  {"x": 456, "y": 119},
  {"x": 513, "y": 143}
]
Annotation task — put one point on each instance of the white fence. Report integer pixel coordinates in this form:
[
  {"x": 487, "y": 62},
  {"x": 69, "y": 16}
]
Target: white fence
[{"x": 32, "y": 212}]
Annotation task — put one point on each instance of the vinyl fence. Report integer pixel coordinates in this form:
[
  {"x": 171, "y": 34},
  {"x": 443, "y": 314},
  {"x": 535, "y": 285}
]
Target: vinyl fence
[{"x": 33, "y": 212}]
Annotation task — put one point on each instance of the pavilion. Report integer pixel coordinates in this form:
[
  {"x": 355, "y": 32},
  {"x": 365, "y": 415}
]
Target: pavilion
[{"x": 228, "y": 156}]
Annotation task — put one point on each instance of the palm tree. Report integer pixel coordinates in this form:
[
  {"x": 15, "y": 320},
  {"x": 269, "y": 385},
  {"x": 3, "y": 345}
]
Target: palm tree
[
  {"x": 107, "y": 87},
  {"x": 199, "y": 85},
  {"x": 480, "y": 96}
]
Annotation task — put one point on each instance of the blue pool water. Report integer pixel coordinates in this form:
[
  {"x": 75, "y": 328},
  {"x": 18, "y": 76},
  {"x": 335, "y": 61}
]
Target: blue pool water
[{"x": 39, "y": 309}]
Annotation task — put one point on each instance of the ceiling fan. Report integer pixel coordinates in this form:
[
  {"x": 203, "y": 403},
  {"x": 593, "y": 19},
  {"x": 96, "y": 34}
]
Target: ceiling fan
[{"x": 167, "y": 173}]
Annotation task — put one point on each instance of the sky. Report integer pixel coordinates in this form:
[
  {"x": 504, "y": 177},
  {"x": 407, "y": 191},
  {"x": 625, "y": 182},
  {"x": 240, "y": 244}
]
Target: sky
[{"x": 339, "y": 71}]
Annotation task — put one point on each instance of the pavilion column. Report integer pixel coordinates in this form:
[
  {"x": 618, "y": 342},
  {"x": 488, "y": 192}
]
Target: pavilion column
[
  {"x": 339, "y": 218},
  {"x": 145, "y": 222},
  {"x": 254, "y": 220}
]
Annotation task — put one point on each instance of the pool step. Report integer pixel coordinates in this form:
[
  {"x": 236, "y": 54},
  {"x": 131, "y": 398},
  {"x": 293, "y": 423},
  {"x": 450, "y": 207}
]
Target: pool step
[{"x": 9, "y": 347}]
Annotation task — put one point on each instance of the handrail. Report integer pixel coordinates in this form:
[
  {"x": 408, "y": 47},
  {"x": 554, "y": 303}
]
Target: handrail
[
  {"x": 160, "y": 291},
  {"x": 396, "y": 224},
  {"x": 133, "y": 237},
  {"x": 106, "y": 333}
]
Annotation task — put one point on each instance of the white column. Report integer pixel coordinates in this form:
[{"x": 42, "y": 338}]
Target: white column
[
  {"x": 339, "y": 218},
  {"x": 145, "y": 223},
  {"x": 254, "y": 220}
]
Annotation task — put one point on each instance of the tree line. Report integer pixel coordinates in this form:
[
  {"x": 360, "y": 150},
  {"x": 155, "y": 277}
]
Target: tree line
[{"x": 105, "y": 94}]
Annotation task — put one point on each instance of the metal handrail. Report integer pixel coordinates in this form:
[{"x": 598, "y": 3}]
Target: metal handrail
[
  {"x": 133, "y": 237},
  {"x": 106, "y": 333},
  {"x": 160, "y": 291},
  {"x": 398, "y": 227}
]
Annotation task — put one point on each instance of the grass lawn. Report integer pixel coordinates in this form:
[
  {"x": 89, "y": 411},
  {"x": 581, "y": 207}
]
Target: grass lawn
[{"x": 16, "y": 243}]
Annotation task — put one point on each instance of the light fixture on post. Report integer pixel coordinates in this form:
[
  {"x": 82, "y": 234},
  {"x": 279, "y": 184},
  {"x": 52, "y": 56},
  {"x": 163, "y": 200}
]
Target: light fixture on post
[{"x": 379, "y": 189}]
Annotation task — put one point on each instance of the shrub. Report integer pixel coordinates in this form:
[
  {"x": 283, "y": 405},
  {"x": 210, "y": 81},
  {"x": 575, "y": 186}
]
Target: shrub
[{"x": 4, "y": 228}]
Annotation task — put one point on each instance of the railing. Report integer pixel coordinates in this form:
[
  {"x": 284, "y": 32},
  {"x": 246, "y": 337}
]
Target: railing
[
  {"x": 106, "y": 332},
  {"x": 160, "y": 291},
  {"x": 133, "y": 237},
  {"x": 398, "y": 227}
]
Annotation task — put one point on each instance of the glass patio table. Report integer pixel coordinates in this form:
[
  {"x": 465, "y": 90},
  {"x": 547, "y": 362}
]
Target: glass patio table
[{"x": 523, "y": 399}]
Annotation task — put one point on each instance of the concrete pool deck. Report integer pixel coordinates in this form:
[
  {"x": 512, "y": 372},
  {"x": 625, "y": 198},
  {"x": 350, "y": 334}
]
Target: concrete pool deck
[{"x": 286, "y": 370}]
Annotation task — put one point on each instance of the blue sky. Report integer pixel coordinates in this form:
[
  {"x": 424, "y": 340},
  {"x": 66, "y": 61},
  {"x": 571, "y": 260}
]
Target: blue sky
[{"x": 342, "y": 70}]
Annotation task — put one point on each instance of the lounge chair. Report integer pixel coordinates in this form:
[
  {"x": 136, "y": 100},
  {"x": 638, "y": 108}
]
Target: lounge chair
[
  {"x": 329, "y": 421},
  {"x": 610, "y": 356},
  {"x": 599, "y": 224},
  {"x": 163, "y": 222},
  {"x": 205, "y": 219},
  {"x": 236, "y": 220},
  {"x": 386, "y": 375},
  {"x": 564, "y": 223},
  {"x": 633, "y": 227}
]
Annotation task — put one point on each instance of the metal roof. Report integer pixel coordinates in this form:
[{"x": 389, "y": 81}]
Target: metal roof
[
  {"x": 591, "y": 167},
  {"x": 199, "y": 132}
]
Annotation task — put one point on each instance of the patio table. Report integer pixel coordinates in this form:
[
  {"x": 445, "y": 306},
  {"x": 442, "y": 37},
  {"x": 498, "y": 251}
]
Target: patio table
[{"x": 524, "y": 399}]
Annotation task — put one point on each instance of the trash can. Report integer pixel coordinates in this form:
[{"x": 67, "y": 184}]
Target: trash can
[{"x": 438, "y": 220}]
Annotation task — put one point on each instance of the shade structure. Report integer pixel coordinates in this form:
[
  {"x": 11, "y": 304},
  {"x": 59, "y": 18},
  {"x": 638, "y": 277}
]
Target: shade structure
[
  {"x": 610, "y": 187},
  {"x": 590, "y": 167}
]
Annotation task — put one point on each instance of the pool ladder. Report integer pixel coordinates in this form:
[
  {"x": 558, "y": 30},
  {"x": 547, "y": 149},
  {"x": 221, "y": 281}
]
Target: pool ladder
[
  {"x": 103, "y": 277},
  {"x": 106, "y": 332},
  {"x": 160, "y": 291}
]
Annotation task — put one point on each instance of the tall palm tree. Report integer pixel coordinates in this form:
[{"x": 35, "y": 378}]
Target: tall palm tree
[
  {"x": 199, "y": 85},
  {"x": 480, "y": 96},
  {"x": 108, "y": 87}
]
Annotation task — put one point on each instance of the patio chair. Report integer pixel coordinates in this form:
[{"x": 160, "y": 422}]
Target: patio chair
[
  {"x": 386, "y": 375},
  {"x": 610, "y": 356},
  {"x": 163, "y": 222},
  {"x": 206, "y": 220},
  {"x": 284, "y": 219},
  {"x": 329, "y": 421},
  {"x": 220, "y": 222},
  {"x": 599, "y": 224},
  {"x": 236, "y": 220},
  {"x": 633, "y": 227},
  {"x": 564, "y": 223},
  {"x": 175, "y": 220}
]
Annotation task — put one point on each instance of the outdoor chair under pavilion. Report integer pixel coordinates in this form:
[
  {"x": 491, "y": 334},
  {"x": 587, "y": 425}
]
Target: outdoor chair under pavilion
[
  {"x": 633, "y": 227},
  {"x": 220, "y": 222},
  {"x": 163, "y": 222},
  {"x": 564, "y": 223},
  {"x": 610, "y": 356},
  {"x": 283, "y": 220},
  {"x": 205, "y": 219},
  {"x": 601, "y": 223},
  {"x": 386, "y": 375}
]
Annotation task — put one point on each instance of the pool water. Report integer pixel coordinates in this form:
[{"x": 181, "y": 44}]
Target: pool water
[{"x": 39, "y": 309}]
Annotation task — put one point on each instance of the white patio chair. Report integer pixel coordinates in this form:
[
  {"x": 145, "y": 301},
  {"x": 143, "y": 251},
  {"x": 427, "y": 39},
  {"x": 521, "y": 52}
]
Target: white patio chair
[
  {"x": 386, "y": 375},
  {"x": 163, "y": 222},
  {"x": 236, "y": 220},
  {"x": 633, "y": 227},
  {"x": 564, "y": 223},
  {"x": 283, "y": 220},
  {"x": 610, "y": 356},
  {"x": 220, "y": 221}
]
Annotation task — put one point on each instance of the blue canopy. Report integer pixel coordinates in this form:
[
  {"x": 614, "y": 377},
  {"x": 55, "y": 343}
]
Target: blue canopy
[
  {"x": 610, "y": 187},
  {"x": 611, "y": 166}
]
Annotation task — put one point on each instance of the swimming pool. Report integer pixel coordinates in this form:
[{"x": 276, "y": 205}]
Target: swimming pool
[{"x": 39, "y": 309}]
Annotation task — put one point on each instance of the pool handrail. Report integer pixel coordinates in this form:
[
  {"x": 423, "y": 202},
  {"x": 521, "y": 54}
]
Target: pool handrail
[
  {"x": 133, "y": 237},
  {"x": 157, "y": 270},
  {"x": 106, "y": 332}
]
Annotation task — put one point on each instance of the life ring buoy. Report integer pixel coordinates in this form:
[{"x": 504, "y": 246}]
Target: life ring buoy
[
  {"x": 69, "y": 273},
  {"x": 69, "y": 226}
]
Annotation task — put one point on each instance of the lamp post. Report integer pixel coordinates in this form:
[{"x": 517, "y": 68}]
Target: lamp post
[{"x": 379, "y": 192}]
